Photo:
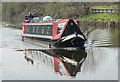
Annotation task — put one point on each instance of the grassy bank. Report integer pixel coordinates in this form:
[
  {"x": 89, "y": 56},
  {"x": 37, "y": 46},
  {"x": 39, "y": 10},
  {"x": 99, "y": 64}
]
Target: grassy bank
[
  {"x": 105, "y": 7},
  {"x": 100, "y": 17}
]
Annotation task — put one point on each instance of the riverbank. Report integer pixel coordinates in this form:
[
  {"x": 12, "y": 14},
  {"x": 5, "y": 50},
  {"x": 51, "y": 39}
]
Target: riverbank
[
  {"x": 100, "y": 17},
  {"x": 112, "y": 24},
  {"x": 12, "y": 25}
]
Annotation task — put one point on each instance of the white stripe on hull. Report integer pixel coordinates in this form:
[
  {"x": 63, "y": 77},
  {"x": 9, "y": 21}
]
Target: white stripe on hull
[{"x": 37, "y": 36}]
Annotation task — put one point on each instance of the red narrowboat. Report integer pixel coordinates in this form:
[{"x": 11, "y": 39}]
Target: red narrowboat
[{"x": 61, "y": 33}]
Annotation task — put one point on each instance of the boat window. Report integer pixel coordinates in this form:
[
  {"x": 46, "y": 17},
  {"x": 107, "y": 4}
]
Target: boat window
[{"x": 60, "y": 27}]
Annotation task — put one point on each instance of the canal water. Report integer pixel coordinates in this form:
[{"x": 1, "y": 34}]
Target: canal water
[{"x": 28, "y": 61}]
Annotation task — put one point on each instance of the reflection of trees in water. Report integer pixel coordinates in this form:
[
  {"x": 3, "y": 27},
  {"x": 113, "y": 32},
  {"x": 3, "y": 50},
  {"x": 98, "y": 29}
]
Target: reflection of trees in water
[
  {"x": 95, "y": 56},
  {"x": 103, "y": 37},
  {"x": 86, "y": 30},
  {"x": 90, "y": 61},
  {"x": 114, "y": 36}
]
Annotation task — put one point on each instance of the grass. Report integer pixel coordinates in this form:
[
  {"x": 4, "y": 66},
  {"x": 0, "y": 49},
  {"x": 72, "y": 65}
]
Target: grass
[
  {"x": 105, "y": 7},
  {"x": 100, "y": 17}
]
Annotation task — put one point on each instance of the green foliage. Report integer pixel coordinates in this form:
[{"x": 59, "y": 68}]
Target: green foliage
[
  {"x": 105, "y": 7},
  {"x": 15, "y": 11},
  {"x": 11, "y": 9},
  {"x": 54, "y": 9},
  {"x": 100, "y": 17}
]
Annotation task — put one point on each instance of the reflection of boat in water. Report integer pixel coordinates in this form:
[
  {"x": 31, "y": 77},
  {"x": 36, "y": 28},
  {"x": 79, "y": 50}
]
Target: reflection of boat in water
[
  {"x": 60, "y": 61},
  {"x": 62, "y": 33}
]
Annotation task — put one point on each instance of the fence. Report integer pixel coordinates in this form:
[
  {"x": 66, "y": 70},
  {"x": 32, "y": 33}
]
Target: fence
[{"x": 104, "y": 10}]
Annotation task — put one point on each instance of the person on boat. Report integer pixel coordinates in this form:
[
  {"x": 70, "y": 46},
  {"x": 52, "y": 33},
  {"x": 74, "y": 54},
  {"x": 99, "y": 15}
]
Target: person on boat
[
  {"x": 26, "y": 18},
  {"x": 30, "y": 16}
]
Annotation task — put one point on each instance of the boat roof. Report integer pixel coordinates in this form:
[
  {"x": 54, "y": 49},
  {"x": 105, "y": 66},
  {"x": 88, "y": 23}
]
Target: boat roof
[{"x": 38, "y": 20}]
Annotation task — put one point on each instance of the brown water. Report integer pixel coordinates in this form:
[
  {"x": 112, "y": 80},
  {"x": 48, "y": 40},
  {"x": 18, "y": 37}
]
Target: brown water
[{"x": 28, "y": 61}]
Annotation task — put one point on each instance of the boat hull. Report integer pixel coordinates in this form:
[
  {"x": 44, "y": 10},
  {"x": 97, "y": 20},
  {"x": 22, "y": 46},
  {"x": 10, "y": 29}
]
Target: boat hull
[{"x": 70, "y": 41}]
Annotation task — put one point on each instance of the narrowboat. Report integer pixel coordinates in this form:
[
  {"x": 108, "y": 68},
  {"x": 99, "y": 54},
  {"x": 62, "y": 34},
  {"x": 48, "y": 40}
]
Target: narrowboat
[{"x": 60, "y": 32}]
